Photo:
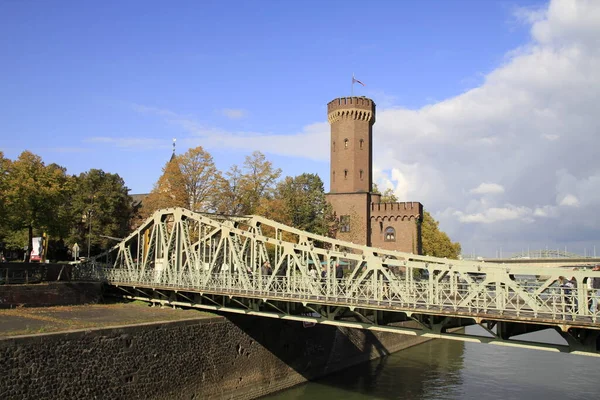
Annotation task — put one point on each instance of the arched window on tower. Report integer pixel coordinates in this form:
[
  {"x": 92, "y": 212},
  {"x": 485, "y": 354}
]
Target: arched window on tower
[
  {"x": 333, "y": 178},
  {"x": 345, "y": 174},
  {"x": 345, "y": 143},
  {"x": 361, "y": 143},
  {"x": 390, "y": 234},
  {"x": 361, "y": 174},
  {"x": 333, "y": 146}
]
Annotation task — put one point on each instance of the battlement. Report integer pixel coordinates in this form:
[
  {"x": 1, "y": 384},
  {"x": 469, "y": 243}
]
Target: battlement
[
  {"x": 407, "y": 208},
  {"x": 356, "y": 108}
]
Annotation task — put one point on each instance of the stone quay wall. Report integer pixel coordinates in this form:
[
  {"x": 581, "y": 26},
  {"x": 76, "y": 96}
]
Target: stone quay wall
[
  {"x": 232, "y": 357},
  {"x": 48, "y": 294}
]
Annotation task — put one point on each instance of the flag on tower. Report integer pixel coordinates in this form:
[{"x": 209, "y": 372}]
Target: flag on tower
[{"x": 354, "y": 80}]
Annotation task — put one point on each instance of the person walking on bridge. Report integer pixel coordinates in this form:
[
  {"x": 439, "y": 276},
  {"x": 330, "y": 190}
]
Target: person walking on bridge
[{"x": 594, "y": 285}]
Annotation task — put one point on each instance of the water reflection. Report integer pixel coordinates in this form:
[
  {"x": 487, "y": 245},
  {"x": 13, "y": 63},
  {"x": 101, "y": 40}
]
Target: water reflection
[{"x": 444, "y": 369}]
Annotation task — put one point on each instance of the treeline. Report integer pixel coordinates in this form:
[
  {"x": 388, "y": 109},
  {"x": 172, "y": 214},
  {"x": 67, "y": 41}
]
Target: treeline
[
  {"x": 94, "y": 208},
  {"x": 192, "y": 181},
  {"x": 36, "y": 198}
]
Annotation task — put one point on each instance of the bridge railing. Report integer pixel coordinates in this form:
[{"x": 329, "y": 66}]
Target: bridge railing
[{"x": 528, "y": 300}]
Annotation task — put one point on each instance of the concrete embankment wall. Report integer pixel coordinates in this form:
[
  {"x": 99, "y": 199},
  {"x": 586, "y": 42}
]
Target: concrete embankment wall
[{"x": 237, "y": 357}]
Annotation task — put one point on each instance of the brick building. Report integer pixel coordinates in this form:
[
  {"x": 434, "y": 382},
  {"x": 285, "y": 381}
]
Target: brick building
[{"x": 363, "y": 218}]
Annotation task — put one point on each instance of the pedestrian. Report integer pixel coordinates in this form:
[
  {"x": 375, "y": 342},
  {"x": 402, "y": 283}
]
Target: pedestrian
[
  {"x": 339, "y": 272},
  {"x": 266, "y": 268},
  {"x": 385, "y": 282},
  {"x": 339, "y": 277},
  {"x": 312, "y": 272},
  {"x": 594, "y": 286},
  {"x": 566, "y": 287}
]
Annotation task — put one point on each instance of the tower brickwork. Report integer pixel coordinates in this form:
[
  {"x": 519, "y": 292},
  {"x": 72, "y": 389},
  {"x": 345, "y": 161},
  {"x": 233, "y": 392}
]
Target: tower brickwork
[
  {"x": 363, "y": 219},
  {"x": 351, "y": 120}
]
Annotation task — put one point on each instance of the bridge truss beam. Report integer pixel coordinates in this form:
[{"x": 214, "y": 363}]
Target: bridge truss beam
[{"x": 213, "y": 262}]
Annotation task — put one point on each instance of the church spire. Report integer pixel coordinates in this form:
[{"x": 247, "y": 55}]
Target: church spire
[{"x": 173, "y": 155}]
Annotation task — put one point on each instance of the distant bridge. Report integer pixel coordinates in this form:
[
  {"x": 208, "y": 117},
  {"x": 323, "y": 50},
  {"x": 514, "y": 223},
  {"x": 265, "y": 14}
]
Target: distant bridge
[
  {"x": 181, "y": 258},
  {"x": 584, "y": 262}
]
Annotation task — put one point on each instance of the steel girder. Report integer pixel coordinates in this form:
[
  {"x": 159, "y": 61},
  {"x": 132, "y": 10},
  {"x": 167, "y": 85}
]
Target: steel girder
[{"x": 177, "y": 250}]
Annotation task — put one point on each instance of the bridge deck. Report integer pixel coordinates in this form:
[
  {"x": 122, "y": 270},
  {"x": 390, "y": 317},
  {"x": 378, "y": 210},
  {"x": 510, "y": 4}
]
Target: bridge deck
[{"x": 249, "y": 264}]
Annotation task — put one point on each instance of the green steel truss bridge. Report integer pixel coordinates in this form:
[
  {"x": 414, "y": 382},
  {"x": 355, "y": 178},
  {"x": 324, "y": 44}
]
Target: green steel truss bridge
[{"x": 181, "y": 258}]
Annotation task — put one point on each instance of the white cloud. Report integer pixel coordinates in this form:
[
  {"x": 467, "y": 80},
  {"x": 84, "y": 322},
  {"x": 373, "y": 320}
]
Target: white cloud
[
  {"x": 130, "y": 142},
  {"x": 234, "y": 113},
  {"x": 312, "y": 142},
  {"x": 551, "y": 137},
  {"x": 529, "y": 132},
  {"x": 495, "y": 214},
  {"x": 488, "y": 188},
  {"x": 570, "y": 200},
  {"x": 546, "y": 212}
]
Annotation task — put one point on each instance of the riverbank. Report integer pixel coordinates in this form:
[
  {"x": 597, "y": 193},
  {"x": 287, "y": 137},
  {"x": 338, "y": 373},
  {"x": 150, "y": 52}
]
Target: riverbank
[{"x": 138, "y": 352}]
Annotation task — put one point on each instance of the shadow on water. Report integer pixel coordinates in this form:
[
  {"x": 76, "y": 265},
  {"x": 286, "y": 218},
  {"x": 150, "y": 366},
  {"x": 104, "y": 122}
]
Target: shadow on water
[
  {"x": 451, "y": 370},
  {"x": 343, "y": 356},
  {"x": 430, "y": 370}
]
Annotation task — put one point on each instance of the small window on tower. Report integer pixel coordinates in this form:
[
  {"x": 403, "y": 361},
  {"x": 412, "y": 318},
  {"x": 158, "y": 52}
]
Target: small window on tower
[
  {"x": 333, "y": 178},
  {"x": 345, "y": 143},
  {"x": 345, "y": 174},
  {"x": 361, "y": 174},
  {"x": 333, "y": 146},
  {"x": 361, "y": 143},
  {"x": 390, "y": 234},
  {"x": 345, "y": 223}
]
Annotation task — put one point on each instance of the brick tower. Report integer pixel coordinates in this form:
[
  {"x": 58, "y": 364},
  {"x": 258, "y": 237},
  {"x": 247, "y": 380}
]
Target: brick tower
[
  {"x": 351, "y": 120},
  {"x": 363, "y": 218}
]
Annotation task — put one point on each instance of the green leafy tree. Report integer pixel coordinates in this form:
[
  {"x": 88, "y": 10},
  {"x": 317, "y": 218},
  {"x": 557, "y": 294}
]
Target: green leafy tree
[
  {"x": 435, "y": 242},
  {"x": 33, "y": 194},
  {"x": 388, "y": 195},
  {"x": 258, "y": 181},
  {"x": 242, "y": 191},
  {"x": 304, "y": 204},
  {"x": 100, "y": 208},
  {"x": 4, "y": 171}
]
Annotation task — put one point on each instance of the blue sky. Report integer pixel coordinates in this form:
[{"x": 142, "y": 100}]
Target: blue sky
[
  {"x": 109, "y": 84},
  {"x": 73, "y": 70}
]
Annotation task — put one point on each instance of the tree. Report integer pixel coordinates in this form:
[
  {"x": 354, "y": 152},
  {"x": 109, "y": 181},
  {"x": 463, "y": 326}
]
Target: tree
[
  {"x": 228, "y": 196},
  {"x": 4, "y": 171},
  {"x": 100, "y": 207},
  {"x": 435, "y": 242},
  {"x": 388, "y": 195},
  {"x": 304, "y": 203},
  {"x": 257, "y": 181},
  {"x": 168, "y": 191},
  {"x": 199, "y": 176},
  {"x": 243, "y": 190},
  {"x": 33, "y": 194}
]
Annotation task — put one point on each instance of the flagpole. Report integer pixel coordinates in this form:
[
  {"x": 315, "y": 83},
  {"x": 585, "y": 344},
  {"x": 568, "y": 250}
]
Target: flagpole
[{"x": 352, "y": 86}]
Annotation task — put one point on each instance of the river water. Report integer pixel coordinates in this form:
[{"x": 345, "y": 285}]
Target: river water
[{"x": 447, "y": 369}]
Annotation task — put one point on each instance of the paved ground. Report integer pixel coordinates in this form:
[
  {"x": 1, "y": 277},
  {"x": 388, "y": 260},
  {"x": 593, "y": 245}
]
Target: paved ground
[{"x": 27, "y": 321}]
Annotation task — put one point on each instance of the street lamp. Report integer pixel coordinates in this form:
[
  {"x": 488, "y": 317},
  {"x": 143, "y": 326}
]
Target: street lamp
[{"x": 89, "y": 213}]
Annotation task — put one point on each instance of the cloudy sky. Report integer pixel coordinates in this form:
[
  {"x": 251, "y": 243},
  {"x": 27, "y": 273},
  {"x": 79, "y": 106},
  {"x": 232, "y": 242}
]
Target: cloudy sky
[{"x": 488, "y": 112}]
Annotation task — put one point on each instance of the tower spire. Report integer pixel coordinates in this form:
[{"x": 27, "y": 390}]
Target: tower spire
[{"x": 173, "y": 155}]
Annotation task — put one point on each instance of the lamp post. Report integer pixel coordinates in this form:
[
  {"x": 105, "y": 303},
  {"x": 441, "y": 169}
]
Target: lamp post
[{"x": 90, "y": 212}]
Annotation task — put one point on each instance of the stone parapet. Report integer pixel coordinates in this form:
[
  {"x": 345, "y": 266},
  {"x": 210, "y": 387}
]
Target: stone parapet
[{"x": 355, "y": 108}]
